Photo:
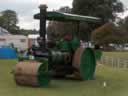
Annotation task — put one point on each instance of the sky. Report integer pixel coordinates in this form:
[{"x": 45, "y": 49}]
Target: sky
[{"x": 27, "y": 8}]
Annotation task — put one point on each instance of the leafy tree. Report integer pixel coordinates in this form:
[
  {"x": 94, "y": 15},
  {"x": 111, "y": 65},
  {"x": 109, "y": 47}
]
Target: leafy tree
[
  {"x": 105, "y": 9},
  {"x": 65, "y": 9},
  {"x": 1, "y": 21},
  {"x": 27, "y": 32},
  {"x": 9, "y": 20},
  {"x": 123, "y": 25}
]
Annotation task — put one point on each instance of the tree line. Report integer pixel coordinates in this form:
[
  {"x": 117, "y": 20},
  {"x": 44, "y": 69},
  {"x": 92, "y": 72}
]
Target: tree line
[{"x": 9, "y": 21}]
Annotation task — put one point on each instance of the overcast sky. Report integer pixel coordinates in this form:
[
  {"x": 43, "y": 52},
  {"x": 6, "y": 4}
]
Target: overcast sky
[{"x": 27, "y": 8}]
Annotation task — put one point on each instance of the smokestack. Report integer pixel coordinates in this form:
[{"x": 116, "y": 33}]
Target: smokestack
[{"x": 43, "y": 15}]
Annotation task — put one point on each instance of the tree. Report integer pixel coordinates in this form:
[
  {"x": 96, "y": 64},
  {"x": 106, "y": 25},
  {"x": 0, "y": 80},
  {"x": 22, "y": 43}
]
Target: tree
[
  {"x": 1, "y": 20},
  {"x": 123, "y": 25},
  {"x": 9, "y": 20},
  {"x": 27, "y": 32},
  {"x": 65, "y": 9},
  {"x": 105, "y": 9}
]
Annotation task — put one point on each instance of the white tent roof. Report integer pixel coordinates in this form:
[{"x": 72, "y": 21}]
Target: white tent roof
[
  {"x": 33, "y": 36},
  {"x": 3, "y": 31}
]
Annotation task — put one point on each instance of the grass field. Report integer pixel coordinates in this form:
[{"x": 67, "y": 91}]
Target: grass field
[{"x": 117, "y": 84}]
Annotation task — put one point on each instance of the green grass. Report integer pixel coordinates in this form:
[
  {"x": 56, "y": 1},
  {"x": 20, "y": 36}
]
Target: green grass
[
  {"x": 117, "y": 54},
  {"x": 117, "y": 84}
]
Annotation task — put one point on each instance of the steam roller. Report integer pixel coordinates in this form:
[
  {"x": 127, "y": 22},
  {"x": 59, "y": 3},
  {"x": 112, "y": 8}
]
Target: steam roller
[
  {"x": 66, "y": 59},
  {"x": 81, "y": 65}
]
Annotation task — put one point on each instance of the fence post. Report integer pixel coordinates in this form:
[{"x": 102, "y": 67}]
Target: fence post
[
  {"x": 124, "y": 66},
  {"x": 112, "y": 62},
  {"x": 118, "y": 65}
]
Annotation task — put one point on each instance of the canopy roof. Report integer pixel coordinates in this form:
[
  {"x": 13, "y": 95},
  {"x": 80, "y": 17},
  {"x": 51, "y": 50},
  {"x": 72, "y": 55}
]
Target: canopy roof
[{"x": 58, "y": 16}]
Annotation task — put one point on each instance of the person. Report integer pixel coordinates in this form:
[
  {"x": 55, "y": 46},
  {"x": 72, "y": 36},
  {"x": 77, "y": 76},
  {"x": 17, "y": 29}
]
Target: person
[{"x": 30, "y": 51}]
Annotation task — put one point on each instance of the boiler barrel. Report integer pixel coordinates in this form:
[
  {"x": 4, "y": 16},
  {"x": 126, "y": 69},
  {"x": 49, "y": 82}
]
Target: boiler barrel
[
  {"x": 31, "y": 73},
  {"x": 58, "y": 57},
  {"x": 84, "y": 62}
]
